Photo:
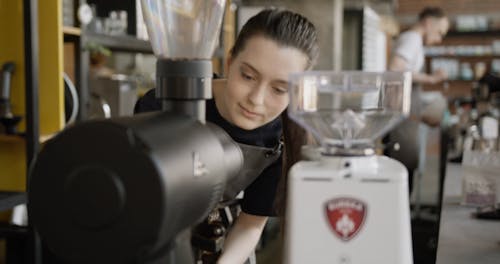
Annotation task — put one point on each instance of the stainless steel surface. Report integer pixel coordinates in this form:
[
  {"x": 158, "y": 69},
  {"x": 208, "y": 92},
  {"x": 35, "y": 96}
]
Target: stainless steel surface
[
  {"x": 334, "y": 151},
  {"x": 463, "y": 239},
  {"x": 6, "y": 71},
  {"x": 119, "y": 92},
  {"x": 99, "y": 108},
  {"x": 309, "y": 152},
  {"x": 71, "y": 89},
  {"x": 184, "y": 85},
  {"x": 184, "y": 88}
]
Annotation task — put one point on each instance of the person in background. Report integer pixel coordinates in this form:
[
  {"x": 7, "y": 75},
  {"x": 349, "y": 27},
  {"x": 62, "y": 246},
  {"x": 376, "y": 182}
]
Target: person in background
[
  {"x": 250, "y": 106},
  {"x": 408, "y": 55}
]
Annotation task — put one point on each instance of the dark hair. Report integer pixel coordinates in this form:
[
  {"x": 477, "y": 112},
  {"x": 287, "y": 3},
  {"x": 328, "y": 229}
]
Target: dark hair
[
  {"x": 285, "y": 27},
  {"x": 294, "y": 137},
  {"x": 432, "y": 12}
]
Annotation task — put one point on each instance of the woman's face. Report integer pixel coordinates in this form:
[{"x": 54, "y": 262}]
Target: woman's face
[{"x": 257, "y": 82}]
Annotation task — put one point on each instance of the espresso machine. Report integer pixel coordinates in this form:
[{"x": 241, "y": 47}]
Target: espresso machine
[
  {"x": 346, "y": 204},
  {"x": 481, "y": 150},
  {"x": 127, "y": 190}
]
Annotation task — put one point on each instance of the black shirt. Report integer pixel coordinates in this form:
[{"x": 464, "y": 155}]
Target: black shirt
[{"x": 259, "y": 196}]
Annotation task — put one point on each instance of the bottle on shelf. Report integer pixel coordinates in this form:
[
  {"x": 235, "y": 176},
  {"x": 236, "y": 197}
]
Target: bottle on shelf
[{"x": 466, "y": 71}]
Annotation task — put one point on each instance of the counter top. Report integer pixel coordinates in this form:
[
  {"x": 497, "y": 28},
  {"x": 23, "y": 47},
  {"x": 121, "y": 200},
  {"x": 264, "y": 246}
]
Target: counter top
[{"x": 462, "y": 238}]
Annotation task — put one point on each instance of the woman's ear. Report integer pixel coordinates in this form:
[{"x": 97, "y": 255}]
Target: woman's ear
[{"x": 229, "y": 60}]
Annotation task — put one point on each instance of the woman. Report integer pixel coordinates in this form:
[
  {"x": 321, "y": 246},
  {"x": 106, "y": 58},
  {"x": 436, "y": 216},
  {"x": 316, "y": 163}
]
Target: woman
[{"x": 270, "y": 46}]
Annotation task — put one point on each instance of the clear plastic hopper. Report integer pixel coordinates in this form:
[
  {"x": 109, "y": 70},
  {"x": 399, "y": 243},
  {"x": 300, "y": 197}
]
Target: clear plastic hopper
[
  {"x": 349, "y": 110},
  {"x": 183, "y": 34},
  {"x": 183, "y": 29}
]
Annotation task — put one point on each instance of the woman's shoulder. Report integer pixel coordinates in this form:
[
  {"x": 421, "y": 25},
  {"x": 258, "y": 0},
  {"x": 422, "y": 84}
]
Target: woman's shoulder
[{"x": 410, "y": 35}]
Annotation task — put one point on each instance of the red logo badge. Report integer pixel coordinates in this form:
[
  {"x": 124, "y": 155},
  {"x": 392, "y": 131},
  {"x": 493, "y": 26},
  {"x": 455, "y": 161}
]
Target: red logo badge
[{"x": 346, "y": 216}]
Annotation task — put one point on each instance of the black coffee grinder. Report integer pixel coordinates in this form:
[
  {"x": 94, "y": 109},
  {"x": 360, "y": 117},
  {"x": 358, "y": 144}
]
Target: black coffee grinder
[{"x": 127, "y": 190}]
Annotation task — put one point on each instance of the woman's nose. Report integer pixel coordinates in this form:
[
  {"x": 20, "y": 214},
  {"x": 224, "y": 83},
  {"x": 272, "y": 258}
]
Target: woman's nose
[{"x": 257, "y": 95}]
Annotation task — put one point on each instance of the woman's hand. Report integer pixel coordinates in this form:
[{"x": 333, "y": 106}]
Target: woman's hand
[{"x": 242, "y": 238}]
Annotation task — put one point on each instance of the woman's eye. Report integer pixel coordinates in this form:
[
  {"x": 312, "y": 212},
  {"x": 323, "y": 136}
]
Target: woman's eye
[
  {"x": 246, "y": 76},
  {"x": 278, "y": 90}
]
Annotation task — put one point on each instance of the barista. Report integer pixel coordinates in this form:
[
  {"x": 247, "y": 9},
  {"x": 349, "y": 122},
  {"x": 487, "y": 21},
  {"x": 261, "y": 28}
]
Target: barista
[
  {"x": 248, "y": 105},
  {"x": 408, "y": 55}
]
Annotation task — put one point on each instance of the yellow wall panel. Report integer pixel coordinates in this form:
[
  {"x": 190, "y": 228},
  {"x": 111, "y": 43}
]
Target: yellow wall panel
[
  {"x": 11, "y": 49},
  {"x": 12, "y": 151},
  {"x": 51, "y": 97},
  {"x": 13, "y": 165}
]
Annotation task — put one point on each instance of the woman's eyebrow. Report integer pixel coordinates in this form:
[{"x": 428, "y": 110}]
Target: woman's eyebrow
[
  {"x": 277, "y": 81},
  {"x": 281, "y": 82},
  {"x": 250, "y": 66}
]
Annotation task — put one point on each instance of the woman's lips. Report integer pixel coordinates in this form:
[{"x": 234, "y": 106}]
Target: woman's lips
[{"x": 249, "y": 114}]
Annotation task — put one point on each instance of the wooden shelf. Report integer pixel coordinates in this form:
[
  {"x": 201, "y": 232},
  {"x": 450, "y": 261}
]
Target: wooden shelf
[
  {"x": 485, "y": 56},
  {"x": 20, "y": 138},
  {"x": 73, "y": 31},
  {"x": 11, "y": 138},
  {"x": 119, "y": 43},
  {"x": 453, "y": 33},
  {"x": 455, "y": 89}
]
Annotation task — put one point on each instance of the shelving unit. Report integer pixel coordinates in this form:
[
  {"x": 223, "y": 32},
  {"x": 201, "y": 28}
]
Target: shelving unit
[
  {"x": 461, "y": 87},
  {"x": 71, "y": 31},
  {"x": 123, "y": 43},
  {"x": 11, "y": 139},
  {"x": 482, "y": 56},
  {"x": 452, "y": 89},
  {"x": 131, "y": 44},
  {"x": 454, "y": 33}
]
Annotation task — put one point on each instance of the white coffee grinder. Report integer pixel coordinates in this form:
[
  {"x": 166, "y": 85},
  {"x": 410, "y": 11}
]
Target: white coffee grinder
[{"x": 346, "y": 204}]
